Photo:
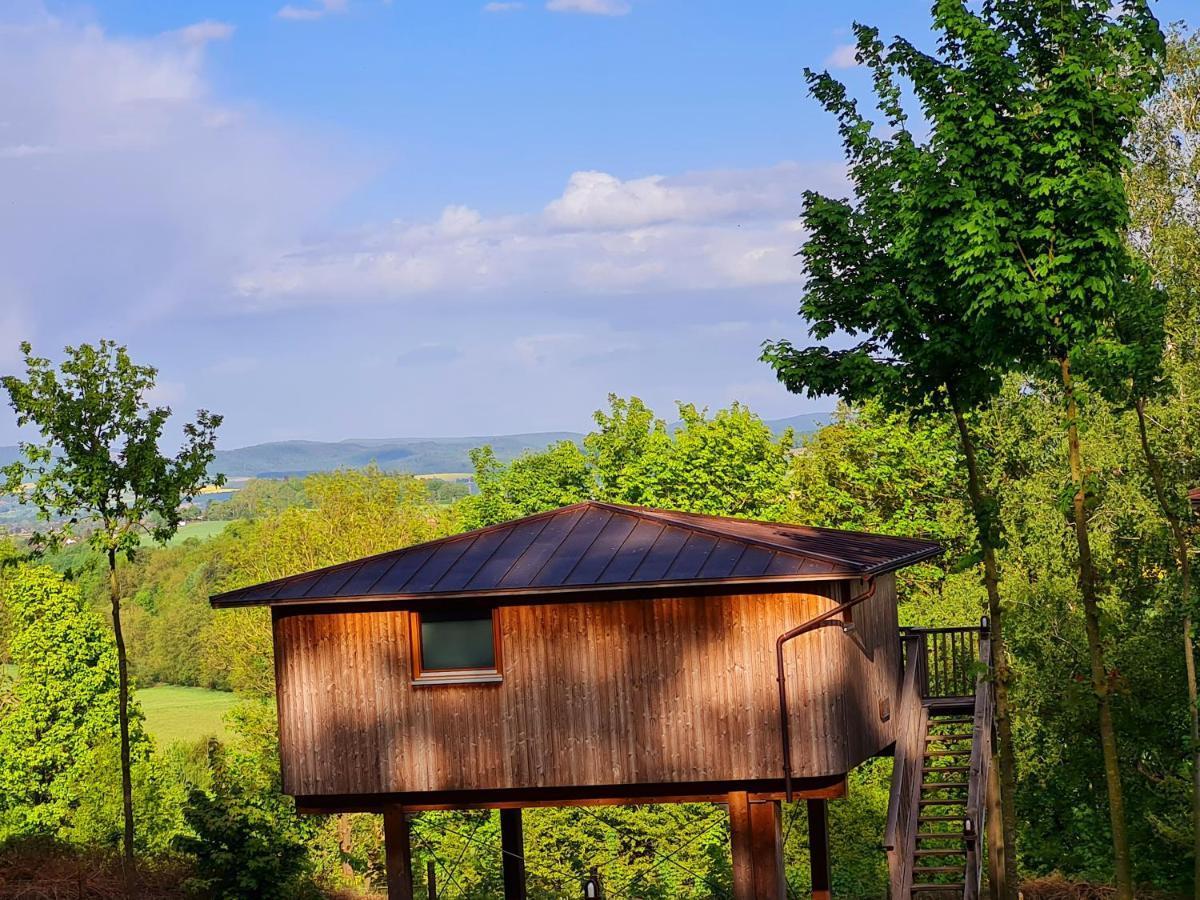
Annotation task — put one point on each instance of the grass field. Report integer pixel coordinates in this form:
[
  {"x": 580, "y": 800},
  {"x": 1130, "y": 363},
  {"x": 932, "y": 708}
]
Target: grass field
[
  {"x": 176, "y": 713},
  {"x": 184, "y": 713},
  {"x": 199, "y": 530}
]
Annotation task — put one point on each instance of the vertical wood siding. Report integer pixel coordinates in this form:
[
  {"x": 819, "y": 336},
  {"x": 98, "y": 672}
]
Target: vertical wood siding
[{"x": 594, "y": 693}]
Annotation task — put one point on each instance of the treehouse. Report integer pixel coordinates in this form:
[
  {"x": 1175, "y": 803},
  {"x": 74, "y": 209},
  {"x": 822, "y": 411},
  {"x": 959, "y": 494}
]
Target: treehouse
[{"x": 605, "y": 654}]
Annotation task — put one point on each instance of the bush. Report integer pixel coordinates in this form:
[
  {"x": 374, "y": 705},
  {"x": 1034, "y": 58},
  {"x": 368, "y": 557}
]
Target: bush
[{"x": 246, "y": 840}]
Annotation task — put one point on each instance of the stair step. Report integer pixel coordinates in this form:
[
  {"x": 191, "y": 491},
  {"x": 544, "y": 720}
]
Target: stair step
[
  {"x": 929, "y": 738},
  {"x": 941, "y": 851},
  {"x": 938, "y": 870},
  {"x": 940, "y": 835},
  {"x": 940, "y": 818},
  {"x": 964, "y": 720},
  {"x": 929, "y": 753},
  {"x": 952, "y": 801},
  {"x": 921, "y": 888},
  {"x": 943, "y": 785},
  {"x": 946, "y": 769}
]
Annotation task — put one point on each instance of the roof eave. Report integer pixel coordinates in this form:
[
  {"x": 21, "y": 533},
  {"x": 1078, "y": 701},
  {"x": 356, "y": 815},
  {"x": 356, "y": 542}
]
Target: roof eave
[{"x": 223, "y": 601}]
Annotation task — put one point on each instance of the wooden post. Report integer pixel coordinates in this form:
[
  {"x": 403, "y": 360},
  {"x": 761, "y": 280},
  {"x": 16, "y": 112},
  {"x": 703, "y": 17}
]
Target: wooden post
[
  {"x": 512, "y": 853},
  {"x": 756, "y": 841},
  {"x": 994, "y": 828},
  {"x": 398, "y": 854},
  {"x": 818, "y": 849},
  {"x": 431, "y": 879}
]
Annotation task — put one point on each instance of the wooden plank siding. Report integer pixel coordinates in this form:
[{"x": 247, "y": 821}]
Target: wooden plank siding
[{"x": 594, "y": 692}]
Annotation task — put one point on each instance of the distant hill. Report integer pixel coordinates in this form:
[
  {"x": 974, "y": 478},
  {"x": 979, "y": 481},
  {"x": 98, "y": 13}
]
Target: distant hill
[{"x": 420, "y": 456}]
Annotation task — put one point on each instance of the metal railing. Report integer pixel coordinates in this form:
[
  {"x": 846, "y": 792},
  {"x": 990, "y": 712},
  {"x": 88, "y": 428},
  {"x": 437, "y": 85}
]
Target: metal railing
[{"x": 951, "y": 657}]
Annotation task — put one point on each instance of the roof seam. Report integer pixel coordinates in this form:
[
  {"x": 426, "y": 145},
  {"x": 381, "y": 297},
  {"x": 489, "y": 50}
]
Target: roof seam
[
  {"x": 570, "y": 531},
  {"x": 516, "y": 558},
  {"x": 587, "y": 549}
]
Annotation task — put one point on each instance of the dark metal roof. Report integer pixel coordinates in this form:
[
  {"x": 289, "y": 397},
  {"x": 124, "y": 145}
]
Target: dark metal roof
[{"x": 595, "y": 546}]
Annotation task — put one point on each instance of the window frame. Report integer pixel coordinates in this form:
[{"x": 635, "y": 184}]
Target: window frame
[{"x": 493, "y": 674}]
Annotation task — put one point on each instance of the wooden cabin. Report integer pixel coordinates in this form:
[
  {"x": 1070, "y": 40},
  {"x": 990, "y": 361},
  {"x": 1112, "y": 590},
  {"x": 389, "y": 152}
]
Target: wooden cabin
[{"x": 596, "y": 654}]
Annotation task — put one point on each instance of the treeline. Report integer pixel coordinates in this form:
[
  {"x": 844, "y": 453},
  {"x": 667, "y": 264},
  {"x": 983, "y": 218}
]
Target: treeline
[{"x": 868, "y": 470}]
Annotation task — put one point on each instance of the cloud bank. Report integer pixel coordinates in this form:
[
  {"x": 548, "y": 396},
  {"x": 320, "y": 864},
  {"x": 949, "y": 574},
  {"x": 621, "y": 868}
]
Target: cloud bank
[{"x": 601, "y": 235}]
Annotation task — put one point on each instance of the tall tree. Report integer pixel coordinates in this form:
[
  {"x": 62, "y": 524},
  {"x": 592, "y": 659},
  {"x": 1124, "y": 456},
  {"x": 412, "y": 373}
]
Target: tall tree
[
  {"x": 98, "y": 462},
  {"x": 885, "y": 269},
  {"x": 1164, "y": 194},
  {"x": 1060, "y": 90}
]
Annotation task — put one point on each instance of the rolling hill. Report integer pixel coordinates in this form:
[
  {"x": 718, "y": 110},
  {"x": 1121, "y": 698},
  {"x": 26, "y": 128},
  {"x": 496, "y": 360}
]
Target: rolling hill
[{"x": 420, "y": 456}]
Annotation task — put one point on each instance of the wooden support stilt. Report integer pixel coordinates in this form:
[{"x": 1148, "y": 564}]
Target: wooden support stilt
[
  {"x": 818, "y": 849},
  {"x": 756, "y": 841},
  {"x": 512, "y": 847},
  {"x": 994, "y": 829},
  {"x": 431, "y": 879},
  {"x": 398, "y": 854}
]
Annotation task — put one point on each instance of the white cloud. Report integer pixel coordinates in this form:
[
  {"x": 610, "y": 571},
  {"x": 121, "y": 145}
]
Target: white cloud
[
  {"x": 129, "y": 191},
  {"x": 317, "y": 10},
  {"x": 502, "y": 7},
  {"x": 201, "y": 33},
  {"x": 602, "y": 235},
  {"x": 590, "y": 7},
  {"x": 844, "y": 56}
]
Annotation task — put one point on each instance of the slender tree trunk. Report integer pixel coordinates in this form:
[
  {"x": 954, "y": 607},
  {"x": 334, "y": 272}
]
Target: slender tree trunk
[
  {"x": 127, "y": 864},
  {"x": 346, "y": 846},
  {"x": 1004, "y": 760},
  {"x": 1100, "y": 683},
  {"x": 1179, "y": 535}
]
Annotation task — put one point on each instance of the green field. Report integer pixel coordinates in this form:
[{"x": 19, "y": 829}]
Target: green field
[
  {"x": 184, "y": 713},
  {"x": 199, "y": 530},
  {"x": 176, "y": 713}
]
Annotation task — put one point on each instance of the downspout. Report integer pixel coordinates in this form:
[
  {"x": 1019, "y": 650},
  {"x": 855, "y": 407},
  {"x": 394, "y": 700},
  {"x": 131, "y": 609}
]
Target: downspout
[{"x": 781, "y": 676}]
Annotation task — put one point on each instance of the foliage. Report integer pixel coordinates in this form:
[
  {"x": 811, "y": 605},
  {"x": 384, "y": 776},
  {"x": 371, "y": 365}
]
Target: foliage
[
  {"x": 100, "y": 453},
  {"x": 64, "y": 715},
  {"x": 531, "y": 483},
  {"x": 246, "y": 840},
  {"x": 259, "y": 497},
  {"x": 728, "y": 464}
]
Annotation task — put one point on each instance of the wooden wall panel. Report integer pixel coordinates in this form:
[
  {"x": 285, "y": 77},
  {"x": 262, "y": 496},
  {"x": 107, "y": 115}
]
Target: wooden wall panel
[{"x": 594, "y": 693}]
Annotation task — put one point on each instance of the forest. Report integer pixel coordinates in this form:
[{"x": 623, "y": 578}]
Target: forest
[{"x": 1050, "y": 452}]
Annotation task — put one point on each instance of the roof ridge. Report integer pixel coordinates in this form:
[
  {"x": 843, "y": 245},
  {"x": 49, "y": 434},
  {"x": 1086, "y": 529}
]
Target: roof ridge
[
  {"x": 765, "y": 522},
  {"x": 664, "y": 515}
]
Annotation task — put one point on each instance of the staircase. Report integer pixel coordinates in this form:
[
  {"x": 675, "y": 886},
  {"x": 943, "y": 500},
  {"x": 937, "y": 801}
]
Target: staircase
[{"x": 943, "y": 750}]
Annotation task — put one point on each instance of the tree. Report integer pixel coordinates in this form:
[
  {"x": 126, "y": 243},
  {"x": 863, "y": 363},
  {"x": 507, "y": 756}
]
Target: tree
[
  {"x": 1063, "y": 89},
  {"x": 730, "y": 464},
  {"x": 99, "y": 461},
  {"x": 64, "y": 712},
  {"x": 557, "y": 476},
  {"x": 1163, "y": 187},
  {"x": 884, "y": 268}
]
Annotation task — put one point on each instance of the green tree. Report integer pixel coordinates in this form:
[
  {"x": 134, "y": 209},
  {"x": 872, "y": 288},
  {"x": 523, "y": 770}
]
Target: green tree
[
  {"x": 1163, "y": 186},
  {"x": 885, "y": 268},
  {"x": 726, "y": 464},
  {"x": 729, "y": 464},
  {"x": 246, "y": 839},
  {"x": 1050, "y": 268},
  {"x": 64, "y": 710},
  {"x": 99, "y": 460},
  {"x": 557, "y": 476}
]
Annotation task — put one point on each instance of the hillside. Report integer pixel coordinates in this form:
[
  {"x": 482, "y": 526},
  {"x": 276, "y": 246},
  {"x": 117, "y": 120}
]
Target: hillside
[{"x": 420, "y": 456}]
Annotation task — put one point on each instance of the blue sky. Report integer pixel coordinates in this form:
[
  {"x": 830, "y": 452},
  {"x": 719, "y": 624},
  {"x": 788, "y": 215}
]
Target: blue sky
[{"x": 357, "y": 218}]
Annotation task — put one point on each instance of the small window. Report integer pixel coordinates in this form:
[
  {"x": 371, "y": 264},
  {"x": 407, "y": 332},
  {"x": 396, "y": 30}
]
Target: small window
[{"x": 455, "y": 647}]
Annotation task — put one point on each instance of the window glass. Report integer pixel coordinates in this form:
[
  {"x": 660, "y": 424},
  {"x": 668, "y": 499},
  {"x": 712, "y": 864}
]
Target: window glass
[{"x": 457, "y": 642}]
